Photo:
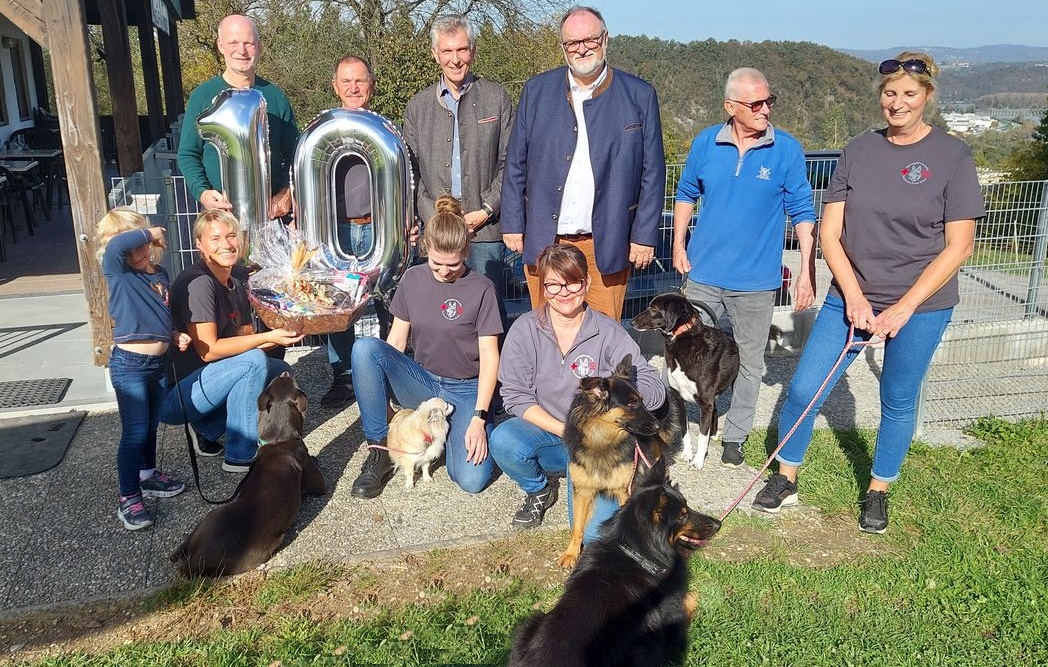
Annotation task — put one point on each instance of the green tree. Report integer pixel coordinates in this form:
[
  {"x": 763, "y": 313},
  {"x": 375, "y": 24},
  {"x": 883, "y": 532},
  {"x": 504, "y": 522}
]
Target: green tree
[{"x": 1030, "y": 163}]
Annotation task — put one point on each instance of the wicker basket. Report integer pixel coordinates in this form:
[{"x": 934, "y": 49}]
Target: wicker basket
[{"x": 305, "y": 324}]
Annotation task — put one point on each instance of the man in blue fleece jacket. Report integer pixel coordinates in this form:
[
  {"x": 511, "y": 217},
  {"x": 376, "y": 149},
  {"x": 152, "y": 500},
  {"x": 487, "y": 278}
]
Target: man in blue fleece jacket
[{"x": 750, "y": 176}]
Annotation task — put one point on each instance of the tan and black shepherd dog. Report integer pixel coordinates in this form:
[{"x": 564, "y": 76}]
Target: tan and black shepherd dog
[{"x": 606, "y": 424}]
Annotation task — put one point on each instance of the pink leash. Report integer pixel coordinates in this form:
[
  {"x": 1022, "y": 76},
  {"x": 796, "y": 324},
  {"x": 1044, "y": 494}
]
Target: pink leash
[{"x": 847, "y": 347}]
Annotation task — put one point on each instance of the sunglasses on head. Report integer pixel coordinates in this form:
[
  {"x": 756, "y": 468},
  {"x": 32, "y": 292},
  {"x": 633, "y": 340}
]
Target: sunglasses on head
[
  {"x": 913, "y": 66},
  {"x": 757, "y": 105}
]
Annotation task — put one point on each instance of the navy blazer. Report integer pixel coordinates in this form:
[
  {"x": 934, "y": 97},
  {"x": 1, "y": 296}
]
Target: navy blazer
[{"x": 629, "y": 166}]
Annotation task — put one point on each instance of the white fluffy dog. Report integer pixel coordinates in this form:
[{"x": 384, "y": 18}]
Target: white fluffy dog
[{"x": 416, "y": 438}]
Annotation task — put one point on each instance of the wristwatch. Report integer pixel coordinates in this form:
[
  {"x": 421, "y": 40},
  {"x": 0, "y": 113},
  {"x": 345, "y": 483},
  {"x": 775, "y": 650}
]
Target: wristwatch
[
  {"x": 483, "y": 414},
  {"x": 487, "y": 209}
]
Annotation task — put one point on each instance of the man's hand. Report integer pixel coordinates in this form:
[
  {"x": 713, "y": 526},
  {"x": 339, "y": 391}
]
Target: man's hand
[
  {"x": 641, "y": 255},
  {"x": 213, "y": 199},
  {"x": 805, "y": 296},
  {"x": 514, "y": 242},
  {"x": 280, "y": 204},
  {"x": 680, "y": 260},
  {"x": 475, "y": 220}
]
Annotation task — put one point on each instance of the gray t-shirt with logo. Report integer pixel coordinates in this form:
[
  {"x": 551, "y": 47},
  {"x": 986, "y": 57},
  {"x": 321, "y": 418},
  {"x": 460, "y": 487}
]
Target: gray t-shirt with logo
[
  {"x": 897, "y": 202},
  {"x": 447, "y": 319}
]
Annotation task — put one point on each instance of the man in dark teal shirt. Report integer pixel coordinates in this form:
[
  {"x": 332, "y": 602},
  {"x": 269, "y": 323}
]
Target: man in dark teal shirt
[{"x": 239, "y": 44}]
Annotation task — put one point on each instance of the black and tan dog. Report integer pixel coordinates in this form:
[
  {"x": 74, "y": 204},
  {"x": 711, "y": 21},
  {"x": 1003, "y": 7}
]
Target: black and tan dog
[
  {"x": 606, "y": 424},
  {"x": 245, "y": 533},
  {"x": 627, "y": 602},
  {"x": 701, "y": 361}
]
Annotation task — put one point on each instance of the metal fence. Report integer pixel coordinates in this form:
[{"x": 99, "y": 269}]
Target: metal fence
[{"x": 994, "y": 357}]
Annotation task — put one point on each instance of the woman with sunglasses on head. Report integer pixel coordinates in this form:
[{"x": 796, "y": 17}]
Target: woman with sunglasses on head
[
  {"x": 451, "y": 314},
  {"x": 546, "y": 352},
  {"x": 898, "y": 223}
]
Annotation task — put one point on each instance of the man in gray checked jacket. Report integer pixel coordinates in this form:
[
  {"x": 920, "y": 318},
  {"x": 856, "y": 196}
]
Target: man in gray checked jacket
[{"x": 458, "y": 130}]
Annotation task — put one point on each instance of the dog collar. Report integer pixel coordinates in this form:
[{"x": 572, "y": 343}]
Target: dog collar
[
  {"x": 651, "y": 568},
  {"x": 687, "y": 326},
  {"x": 427, "y": 438}
]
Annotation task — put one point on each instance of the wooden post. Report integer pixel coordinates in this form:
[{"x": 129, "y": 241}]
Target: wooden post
[
  {"x": 78, "y": 116},
  {"x": 122, "y": 85},
  {"x": 171, "y": 61},
  {"x": 150, "y": 71}
]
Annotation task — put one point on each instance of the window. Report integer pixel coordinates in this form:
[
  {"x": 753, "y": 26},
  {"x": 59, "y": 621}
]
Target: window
[
  {"x": 25, "y": 111},
  {"x": 3, "y": 96}
]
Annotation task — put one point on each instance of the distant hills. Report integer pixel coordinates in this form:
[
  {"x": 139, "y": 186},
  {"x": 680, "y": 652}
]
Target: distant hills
[
  {"x": 825, "y": 95},
  {"x": 949, "y": 56}
]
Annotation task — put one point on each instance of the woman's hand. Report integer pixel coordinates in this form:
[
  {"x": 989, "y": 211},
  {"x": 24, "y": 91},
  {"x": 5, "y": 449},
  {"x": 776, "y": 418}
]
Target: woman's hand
[
  {"x": 476, "y": 441},
  {"x": 860, "y": 313},
  {"x": 183, "y": 340},
  {"x": 891, "y": 320},
  {"x": 284, "y": 337}
]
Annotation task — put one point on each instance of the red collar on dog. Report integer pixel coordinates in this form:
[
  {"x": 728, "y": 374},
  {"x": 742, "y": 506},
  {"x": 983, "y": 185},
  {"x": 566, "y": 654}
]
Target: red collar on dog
[
  {"x": 427, "y": 438},
  {"x": 687, "y": 326}
]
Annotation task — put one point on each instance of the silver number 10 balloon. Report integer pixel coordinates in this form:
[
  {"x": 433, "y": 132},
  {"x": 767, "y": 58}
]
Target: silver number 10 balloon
[{"x": 236, "y": 124}]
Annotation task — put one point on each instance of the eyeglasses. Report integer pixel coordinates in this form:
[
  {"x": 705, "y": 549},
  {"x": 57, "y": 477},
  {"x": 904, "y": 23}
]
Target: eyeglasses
[
  {"x": 756, "y": 106},
  {"x": 553, "y": 289},
  {"x": 909, "y": 66},
  {"x": 588, "y": 42}
]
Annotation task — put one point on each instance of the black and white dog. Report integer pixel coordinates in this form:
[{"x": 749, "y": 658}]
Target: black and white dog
[{"x": 701, "y": 361}]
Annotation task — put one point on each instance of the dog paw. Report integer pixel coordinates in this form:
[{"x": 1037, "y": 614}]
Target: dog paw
[
  {"x": 691, "y": 604},
  {"x": 568, "y": 559},
  {"x": 698, "y": 462}
]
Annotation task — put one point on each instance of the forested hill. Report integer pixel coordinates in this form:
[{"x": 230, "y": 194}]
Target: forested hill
[{"x": 824, "y": 96}]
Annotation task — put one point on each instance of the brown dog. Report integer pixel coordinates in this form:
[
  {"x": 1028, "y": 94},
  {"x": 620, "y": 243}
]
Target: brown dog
[
  {"x": 245, "y": 533},
  {"x": 606, "y": 424}
]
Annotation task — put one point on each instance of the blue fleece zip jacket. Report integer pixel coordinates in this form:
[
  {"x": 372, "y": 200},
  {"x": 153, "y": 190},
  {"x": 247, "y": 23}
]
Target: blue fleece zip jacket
[
  {"x": 737, "y": 241},
  {"x": 138, "y": 301}
]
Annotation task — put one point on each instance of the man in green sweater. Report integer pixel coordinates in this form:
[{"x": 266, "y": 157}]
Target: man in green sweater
[{"x": 239, "y": 45}]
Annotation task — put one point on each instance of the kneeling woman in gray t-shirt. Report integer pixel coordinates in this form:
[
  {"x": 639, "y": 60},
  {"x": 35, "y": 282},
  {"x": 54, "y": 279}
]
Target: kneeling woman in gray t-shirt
[{"x": 452, "y": 316}]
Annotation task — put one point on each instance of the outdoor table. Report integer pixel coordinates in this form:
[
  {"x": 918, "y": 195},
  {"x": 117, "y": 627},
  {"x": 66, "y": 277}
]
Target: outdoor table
[
  {"x": 47, "y": 156},
  {"x": 19, "y": 170}
]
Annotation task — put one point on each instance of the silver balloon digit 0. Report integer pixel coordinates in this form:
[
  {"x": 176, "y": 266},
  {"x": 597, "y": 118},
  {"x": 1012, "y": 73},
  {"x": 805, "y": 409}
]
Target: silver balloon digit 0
[
  {"x": 236, "y": 125},
  {"x": 330, "y": 136}
]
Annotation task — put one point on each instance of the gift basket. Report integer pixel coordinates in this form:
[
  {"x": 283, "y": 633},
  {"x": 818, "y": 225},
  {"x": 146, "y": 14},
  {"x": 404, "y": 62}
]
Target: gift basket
[{"x": 299, "y": 288}]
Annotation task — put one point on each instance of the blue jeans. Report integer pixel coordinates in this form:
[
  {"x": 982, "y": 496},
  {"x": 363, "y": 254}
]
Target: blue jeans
[
  {"x": 750, "y": 314},
  {"x": 487, "y": 257},
  {"x": 526, "y": 453},
  {"x": 379, "y": 369},
  {"x": 222, "y": 397},
  {"x": 906, "y": 360},
  {"x": 355, "y": 239},
  {"x": 138, "y": 380}
]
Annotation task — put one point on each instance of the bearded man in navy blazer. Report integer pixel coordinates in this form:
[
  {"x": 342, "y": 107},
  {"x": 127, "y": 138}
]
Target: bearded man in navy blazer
[{"x": 585, "y": 165}]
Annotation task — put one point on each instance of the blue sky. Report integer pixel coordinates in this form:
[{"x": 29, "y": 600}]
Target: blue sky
[{"x": 853, "y": 24}]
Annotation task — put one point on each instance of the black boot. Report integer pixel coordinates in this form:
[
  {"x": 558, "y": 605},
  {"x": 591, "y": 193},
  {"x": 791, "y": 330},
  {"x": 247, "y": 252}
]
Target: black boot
[{"x": 376, "y": 471}]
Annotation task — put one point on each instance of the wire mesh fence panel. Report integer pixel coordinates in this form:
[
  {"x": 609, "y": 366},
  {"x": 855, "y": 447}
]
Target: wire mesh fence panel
[{"x": 994, "y": 356}]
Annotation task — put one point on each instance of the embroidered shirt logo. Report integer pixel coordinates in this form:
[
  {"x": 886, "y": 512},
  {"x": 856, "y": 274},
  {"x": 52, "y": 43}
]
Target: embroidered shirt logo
[
  {"x": 764, "y": 174},
  {"x": 451, "y": 309},
  {"x": 916, "y": 173},
  {"x": 583, "y": 366}
]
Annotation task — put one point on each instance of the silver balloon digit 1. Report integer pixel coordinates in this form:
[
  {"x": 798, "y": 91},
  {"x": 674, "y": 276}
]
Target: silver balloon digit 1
[
  {"x": 336, "y": 133},
  {"x": 236, "y": 125}
]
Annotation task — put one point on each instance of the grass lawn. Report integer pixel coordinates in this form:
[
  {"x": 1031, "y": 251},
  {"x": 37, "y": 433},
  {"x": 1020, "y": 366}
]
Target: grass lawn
[{"x": 961, "y": 578}]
